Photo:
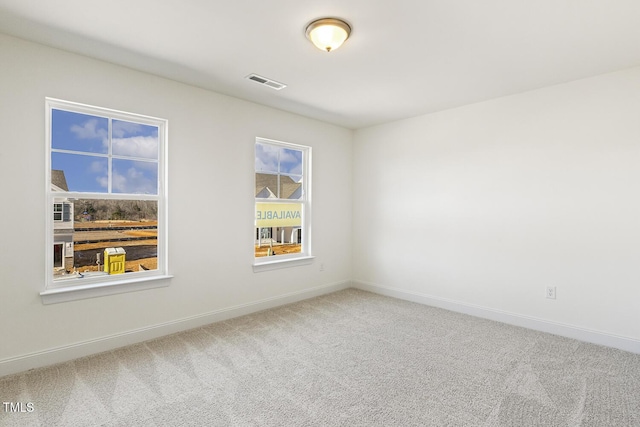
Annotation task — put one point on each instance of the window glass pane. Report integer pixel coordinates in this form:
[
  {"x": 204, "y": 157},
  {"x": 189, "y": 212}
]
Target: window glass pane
[
  {"x": 105, "y": 225},
  {"x": 267, "y": 157},
  {"x": 107, "y": 232},
  {"x": 79, "y": 173},
  {"x": 79, "y": 132},
  {"x": 278, "y": 229},
  {"x": 279, "y": 191},
  {"x": 291, "y": 187},
  {"x": 290, "y": 161},
  {"x": 134, "y": 140},
  {"x": 134, "y": 177},
  {"x": 266, "y": 186}
]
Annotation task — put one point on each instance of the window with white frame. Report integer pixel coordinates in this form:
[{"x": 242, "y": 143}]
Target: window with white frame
[
  {"x": 57, "y": 211},
  {"x": 282, "y": 201},
  {"x": 106, "y": 196}
]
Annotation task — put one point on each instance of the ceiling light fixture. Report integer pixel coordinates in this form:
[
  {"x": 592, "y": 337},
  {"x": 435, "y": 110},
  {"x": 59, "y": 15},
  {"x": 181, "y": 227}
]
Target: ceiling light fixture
[{"x": 328, "y": 33}]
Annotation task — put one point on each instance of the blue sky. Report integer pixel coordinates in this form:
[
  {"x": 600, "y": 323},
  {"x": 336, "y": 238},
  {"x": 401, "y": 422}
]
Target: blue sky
[
  {"x": 275, "y": 159},
  {"x": 80, "y": 148}
]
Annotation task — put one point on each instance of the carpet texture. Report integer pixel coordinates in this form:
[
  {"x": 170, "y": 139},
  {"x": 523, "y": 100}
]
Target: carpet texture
[{"x": 351, "y": 358}]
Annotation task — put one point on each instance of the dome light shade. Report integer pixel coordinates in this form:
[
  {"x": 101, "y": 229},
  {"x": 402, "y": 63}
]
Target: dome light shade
[{"x": 328, "y": 33}]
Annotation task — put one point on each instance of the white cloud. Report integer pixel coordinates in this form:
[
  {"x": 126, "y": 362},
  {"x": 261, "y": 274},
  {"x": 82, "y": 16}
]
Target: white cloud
[
  {"x": 119, "y": 183},
  {"x": 145, "y": 147},
  {"x": 121, "y": 128},
  {"x": 98, "y": 166},
  {"x": 296, "y": 169},
  {"x": 290, "y": 161},
  {"x": 90, "y": 130},
  {"x": 287, "y": 156},
  {"x": 134, "y": 181},
  {"x": 102, "y": 181},
  {"x": 266, "y": 158}
]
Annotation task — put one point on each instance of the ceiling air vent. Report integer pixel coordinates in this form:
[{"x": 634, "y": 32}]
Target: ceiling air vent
[{"x": 267, "y": 82}]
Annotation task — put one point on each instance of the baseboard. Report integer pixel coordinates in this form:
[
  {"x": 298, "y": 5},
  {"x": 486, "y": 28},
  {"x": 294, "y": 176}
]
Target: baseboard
[
  {"x": 569, "y": 331},
  {"x": 69, "y": 352}
]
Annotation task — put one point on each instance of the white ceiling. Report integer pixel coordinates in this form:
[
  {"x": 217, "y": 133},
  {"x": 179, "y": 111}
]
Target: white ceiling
[{"x": 404, "y": 58}]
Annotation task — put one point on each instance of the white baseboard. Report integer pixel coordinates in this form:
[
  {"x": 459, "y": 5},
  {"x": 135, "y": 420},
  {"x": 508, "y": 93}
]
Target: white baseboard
[
  {"x": 569, "y": 331},
  {"x": 73, "y": 351}
]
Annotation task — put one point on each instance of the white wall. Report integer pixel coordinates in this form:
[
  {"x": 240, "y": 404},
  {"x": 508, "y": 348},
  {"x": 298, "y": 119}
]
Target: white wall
[
  {"x": 481, "y": 207},
  {"x": 211, "y": 186}
]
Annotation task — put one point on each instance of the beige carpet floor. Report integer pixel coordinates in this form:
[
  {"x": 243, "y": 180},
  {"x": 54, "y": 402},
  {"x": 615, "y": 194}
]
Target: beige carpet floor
[{"x": 351, "y": 358}]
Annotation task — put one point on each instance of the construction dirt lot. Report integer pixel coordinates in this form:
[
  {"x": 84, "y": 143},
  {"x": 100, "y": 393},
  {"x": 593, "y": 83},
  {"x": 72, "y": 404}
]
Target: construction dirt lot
[
  {"x": 90, "y": 241},
  {"x": 278, "y": 249},
  {"x": 94, "y": 237}
]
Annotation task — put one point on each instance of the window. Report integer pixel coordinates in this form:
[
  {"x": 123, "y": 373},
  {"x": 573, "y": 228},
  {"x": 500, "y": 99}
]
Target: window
[
  {"x": 282, "y": 202},
  {"x": 106, "y": 196},
  {"x": 61, "y": 212},
  {"x": 57, "y": 211}
]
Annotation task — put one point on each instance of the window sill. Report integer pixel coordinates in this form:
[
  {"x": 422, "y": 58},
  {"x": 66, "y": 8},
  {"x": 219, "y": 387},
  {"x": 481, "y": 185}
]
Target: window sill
[
  {"x": 282, "y": 263},
  {"x": 92, "y": 290}
]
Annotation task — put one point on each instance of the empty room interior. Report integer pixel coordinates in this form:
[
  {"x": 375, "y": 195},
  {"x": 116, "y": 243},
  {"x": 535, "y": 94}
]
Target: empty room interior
[{"x": 450, "y": 182}]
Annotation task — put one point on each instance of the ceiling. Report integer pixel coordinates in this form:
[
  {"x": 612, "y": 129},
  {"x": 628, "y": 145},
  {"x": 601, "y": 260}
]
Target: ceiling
[{"x": 404, "y": 58}]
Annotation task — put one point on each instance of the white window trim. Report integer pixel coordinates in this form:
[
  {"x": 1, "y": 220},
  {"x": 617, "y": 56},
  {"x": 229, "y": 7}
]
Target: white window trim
[
  {"x": 282, "y": 263},
  {"x": 305, "y": 257},
  {"x": 77, "y": 287},
  {"x": 91, "y": 290}
]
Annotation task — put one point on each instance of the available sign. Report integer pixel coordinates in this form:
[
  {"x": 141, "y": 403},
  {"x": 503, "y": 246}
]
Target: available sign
[{"x": 278, "y": 215}]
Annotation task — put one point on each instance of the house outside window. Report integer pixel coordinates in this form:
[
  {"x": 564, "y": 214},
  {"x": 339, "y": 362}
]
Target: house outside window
[
  {"x": 282, "y": 202},
  {"x": 106, "y": 196}
]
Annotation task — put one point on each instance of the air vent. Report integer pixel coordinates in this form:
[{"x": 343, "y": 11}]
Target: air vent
[{"x": 267, "y": 82}]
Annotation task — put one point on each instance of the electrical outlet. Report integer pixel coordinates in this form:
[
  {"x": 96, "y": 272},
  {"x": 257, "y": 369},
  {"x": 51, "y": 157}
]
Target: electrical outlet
[
  {"x": 321, "y": 267},
  {"x": 551, "y": 292}
]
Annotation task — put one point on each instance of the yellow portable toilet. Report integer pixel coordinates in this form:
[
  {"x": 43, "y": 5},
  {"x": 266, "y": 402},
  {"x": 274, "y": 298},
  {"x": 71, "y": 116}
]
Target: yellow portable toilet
[{"x": 114, "y": 259}]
